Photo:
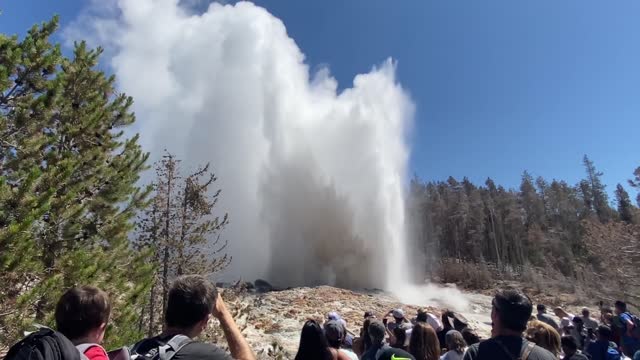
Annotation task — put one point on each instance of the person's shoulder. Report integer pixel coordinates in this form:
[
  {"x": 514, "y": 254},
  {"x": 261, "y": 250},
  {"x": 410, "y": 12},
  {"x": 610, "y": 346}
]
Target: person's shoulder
[
  {"x": 472, "y": 352},
  {"x": 201, "y": 351},
  {"x": 540, "y": 353},
  {"x": 96, "y": 353}
]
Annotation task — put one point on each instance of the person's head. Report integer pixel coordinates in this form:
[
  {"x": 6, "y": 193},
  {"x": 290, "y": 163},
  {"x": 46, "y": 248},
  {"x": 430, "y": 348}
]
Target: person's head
[
  {"x": 368, "y": 314},
  {"x": 313, "y": 343},
  {"x": 455, "y": 341},
  {"x": 585, "y": 312},
  {"x": 333, "y": 316},
  {"x": 569, "y": 345},
  {"x": 544, "y": 336},
  {"x": 400, "y": 333},
  {"x": 398, "y": 315},
  {"x": 422, "y": 315},
  {"x": 604, "y": 333},
  {"x": 470, "y": 336},
  {"x": 190, "y": 303},
  {"x": 424, "y": 342},
  {"x": 541, "y": 309},
  {"x": 621, "y": 307},
  {"x": 82, "y": 313},
  {"x": 578, "y": 323},
  {"x": 377, "y": 331},
  {"x": 511, "y": 312},
  {"x": 334, "y": 330}
]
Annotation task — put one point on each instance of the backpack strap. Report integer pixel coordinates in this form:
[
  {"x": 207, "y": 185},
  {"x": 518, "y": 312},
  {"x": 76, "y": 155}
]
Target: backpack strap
[
  {"x": 527, "y": 351},
  {"x": 169, "y": 350}
]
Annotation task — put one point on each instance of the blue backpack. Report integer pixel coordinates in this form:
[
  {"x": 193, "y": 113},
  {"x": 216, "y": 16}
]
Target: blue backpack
[{"x": 612, "y": 354}]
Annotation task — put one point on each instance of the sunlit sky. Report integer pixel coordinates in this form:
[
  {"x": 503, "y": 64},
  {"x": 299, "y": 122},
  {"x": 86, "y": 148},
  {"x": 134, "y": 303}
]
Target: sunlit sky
[{"x": 500, "y": 86}]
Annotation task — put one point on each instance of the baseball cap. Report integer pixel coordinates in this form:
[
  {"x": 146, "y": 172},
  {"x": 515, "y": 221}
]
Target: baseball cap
[
  {"x": 390, "y": 353},
  {"x": 398, "y": 313},
  {"x": 377, "y": 330},
  {"x": 334, "y": 331},
  {"x": 333, "y": 316}
]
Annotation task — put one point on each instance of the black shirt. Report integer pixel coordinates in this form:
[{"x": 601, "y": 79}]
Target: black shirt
[
  {"x": 505, "y": 348},
  {"x": 192, "y": 351}
]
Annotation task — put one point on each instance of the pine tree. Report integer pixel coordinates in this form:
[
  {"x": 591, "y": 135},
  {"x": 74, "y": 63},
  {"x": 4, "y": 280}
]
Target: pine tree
[
  {"x": 600, "y": 198},
  {"x": 67, "y": 183},
  {"x": 625, "y": 208},
  {"x": 636, "y": 183},
  {"x": 181, "y": 229},
  {"x": 531, "y": 201}
]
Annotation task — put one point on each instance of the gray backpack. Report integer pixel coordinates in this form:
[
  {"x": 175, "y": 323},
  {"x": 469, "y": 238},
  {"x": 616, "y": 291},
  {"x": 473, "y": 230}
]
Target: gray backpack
[{"x": 157, "y": 351}]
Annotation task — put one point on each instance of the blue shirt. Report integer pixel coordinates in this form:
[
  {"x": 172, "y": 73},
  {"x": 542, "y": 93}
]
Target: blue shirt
[{"x": 626, "y": 339}]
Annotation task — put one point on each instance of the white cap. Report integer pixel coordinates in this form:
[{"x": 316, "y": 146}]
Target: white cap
[{"x": 398, "y": 313}]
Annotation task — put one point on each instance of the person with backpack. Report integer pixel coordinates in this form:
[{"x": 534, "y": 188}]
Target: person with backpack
[
  {"x": 630, "y": 340},
  {"x": 510, "y": 314},
  {"x": 191, "y": 302},
  {"x": 81, "y": 316},
  {"x": 603, "y": 348}
]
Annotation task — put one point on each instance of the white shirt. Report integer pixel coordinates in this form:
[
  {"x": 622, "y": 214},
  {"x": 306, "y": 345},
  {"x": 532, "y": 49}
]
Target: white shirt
[{"x": 350, "y": 354}]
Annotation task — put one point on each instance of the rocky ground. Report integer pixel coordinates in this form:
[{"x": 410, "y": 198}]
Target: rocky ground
[{"x": 272, "y": 321}]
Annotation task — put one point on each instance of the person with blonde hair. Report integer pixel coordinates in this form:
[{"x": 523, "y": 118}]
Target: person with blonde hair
[
  {"x": 424, "y": 344},
  {"x": 543, "y": 335}
]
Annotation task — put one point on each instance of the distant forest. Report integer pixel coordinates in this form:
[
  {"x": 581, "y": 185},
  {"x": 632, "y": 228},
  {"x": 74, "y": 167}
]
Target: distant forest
[{"x": 550, "y": 228}]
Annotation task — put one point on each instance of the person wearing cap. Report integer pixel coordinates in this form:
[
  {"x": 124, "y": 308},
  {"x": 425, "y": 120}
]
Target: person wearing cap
[
  {"x": 546, "y": 318},
  {"x": 398, "y": 316},
  {"x": 587, "y": 320},
  {"x": 379, "y": 350},
  {"x": 335, "y": 332},
  {"x": 348, "y": 339}
]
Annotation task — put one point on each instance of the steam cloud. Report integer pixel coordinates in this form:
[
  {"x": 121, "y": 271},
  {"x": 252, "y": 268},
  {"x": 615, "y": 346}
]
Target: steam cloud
[{"x": 312, "y": 177}]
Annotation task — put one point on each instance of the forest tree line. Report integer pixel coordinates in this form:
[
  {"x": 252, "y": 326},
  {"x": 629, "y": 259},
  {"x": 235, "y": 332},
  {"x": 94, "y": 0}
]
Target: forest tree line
[{"x": 543, "y": 224}]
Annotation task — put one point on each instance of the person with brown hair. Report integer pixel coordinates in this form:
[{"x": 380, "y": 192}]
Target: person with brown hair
[
  {"x": 510, "y": 313},
  {"x": 82, "y": 314},
  {"x": 456, "y": 346},
  {"x": 192, "y": 301},
  {"x": 544, "y": 335},
  {"x": 424, "y": 344},
  {"x": 314, "y": 344}
]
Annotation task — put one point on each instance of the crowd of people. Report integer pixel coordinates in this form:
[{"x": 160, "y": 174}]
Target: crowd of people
[{"x": 82, "y": 315}]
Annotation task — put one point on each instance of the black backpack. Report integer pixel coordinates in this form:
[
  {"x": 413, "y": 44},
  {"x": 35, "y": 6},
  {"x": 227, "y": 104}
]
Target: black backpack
[
  {"x": 157, "y": 351},
  {"x": 43, "y": 344}
]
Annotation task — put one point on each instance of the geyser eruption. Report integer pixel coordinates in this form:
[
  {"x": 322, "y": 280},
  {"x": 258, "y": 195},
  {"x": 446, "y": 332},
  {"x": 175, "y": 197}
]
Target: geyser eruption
[{"x": 312, "y": 176}]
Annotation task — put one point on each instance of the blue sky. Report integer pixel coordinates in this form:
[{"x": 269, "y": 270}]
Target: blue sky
[{"x": 500, "y": 86}]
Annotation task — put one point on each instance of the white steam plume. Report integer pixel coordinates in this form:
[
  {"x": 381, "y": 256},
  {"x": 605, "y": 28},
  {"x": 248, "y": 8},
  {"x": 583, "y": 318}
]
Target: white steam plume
[{"x": 312, "y": 178}]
